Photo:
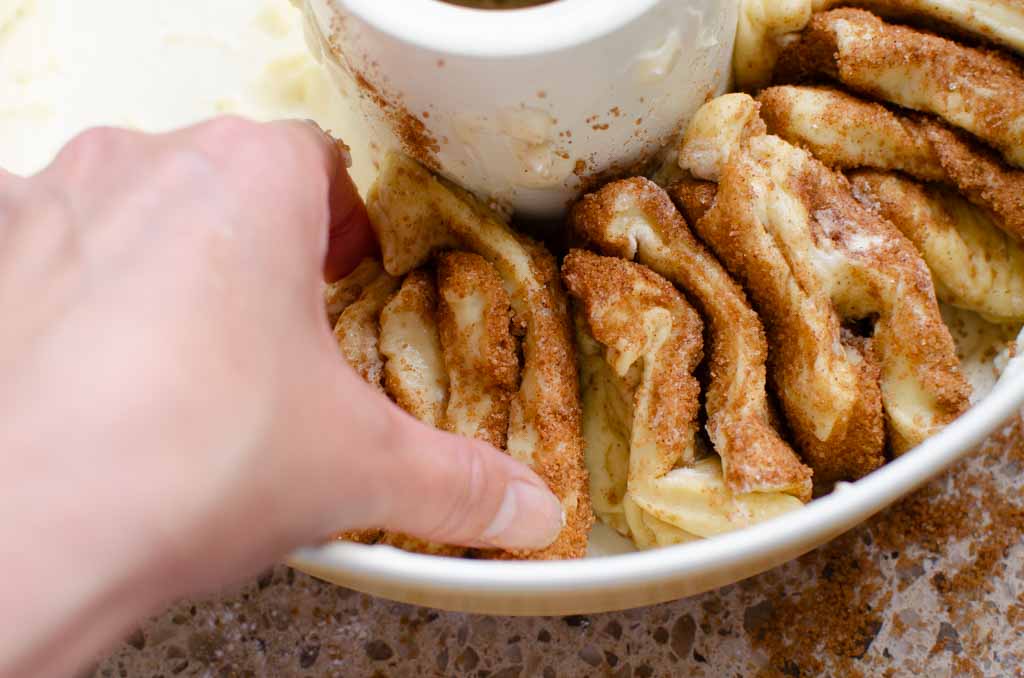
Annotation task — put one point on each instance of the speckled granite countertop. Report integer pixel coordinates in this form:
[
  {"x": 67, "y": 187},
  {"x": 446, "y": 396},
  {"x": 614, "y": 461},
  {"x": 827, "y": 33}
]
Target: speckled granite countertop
[{"x": 934, "y": 586}]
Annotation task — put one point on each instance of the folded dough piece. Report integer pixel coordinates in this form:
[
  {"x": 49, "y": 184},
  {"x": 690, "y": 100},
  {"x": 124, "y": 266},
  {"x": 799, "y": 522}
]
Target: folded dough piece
[
  {"x": 641, "y": 342},
  {"x": 416, "y": 214},
  {"x": 1000, "y": 22},
  {"x": 635, "y": 219},
  {"x": 449, "y": 358},
  {"x": 766, "y": 26},
  {"x": 694, "y": 197},
  {"x": 980, "y": 91},
  {"x": 847, "y": 133},
  {"x": 975, "y": 266},
  {"x": 607, "y": 422},
  {"x": 357, "y": 330},
  {"x": 414, "y": 373},
  {"x": 354, "y": 304},
  {"x": 341, "y": 294},
  {"x": 813, "y": 257},
  {"x": 483, "y": 368}
]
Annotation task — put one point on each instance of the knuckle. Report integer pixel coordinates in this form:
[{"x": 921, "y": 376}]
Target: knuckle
[
  {"x": 236, "y": 147},
  {"x": 10, "y": 183},
  {"x": 12, "y": 198},
  {"x": 197, "y": 182},
  {"x": 93, "y": 145},
  {"x": 49, "y": 204},
  {"x": 46, "y": 213},
  {"x": 46, "y": 206},
  {"x": 179, "y": 164},
  {"x": 228, "y": 131}
]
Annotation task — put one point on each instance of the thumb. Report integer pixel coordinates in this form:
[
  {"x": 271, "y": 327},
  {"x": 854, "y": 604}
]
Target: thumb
[
  {"x": 454, "y": 490},
  {"x": 401, "y": 475}
]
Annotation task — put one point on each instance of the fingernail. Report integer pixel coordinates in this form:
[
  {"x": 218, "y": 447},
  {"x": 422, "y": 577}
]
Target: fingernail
[
  {"x": 316, "y": 126},
  {"x": 530, "y": 517},
  {"x": 344, "y": 150},
  {"x": 346, "y": 153}
]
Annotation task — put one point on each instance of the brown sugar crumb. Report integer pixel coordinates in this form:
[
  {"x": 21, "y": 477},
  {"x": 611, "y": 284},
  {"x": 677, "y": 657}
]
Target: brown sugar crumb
[
  {"x": 836, "y": 625},
  {"x": 480, "y": 352},
  {"x": 641, "y": 165},
  {"x": 839, "y": 616},
  {"x": 370, "y": 536}
]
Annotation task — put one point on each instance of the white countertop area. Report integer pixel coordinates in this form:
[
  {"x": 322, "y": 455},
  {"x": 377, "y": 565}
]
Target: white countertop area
[{"x": 66, "y": 65}]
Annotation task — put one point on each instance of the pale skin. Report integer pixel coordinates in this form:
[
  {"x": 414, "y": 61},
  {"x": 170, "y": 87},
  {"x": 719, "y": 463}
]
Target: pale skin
[{"x": 174, "y": 412}]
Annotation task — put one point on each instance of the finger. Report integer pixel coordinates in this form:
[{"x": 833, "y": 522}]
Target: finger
[
  {"x": 95, "y": 153},
  {"x": 280, "y": 174},
  {"x": 319, "y": 147},
  {"x": 455, "y": 490},
  {"x": 382, "y": 468},
  {"x": 351, "y": 238},
  {"x": 346, "y": 229},
  {"x": 13, "y": 205},
  {"x": 98, "y": 163},
  {"x": 9, "y": 177},
  {"x": 11, "y": 186}
]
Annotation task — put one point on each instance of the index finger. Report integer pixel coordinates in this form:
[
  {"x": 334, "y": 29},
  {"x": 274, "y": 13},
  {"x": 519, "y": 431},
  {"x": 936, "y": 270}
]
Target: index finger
[
  {"x": 348, "y": 233},
  {"x": 350, "y": 237}
]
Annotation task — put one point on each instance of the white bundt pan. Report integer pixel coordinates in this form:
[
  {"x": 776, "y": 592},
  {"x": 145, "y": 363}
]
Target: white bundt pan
[{"x": 408, "y": 39}]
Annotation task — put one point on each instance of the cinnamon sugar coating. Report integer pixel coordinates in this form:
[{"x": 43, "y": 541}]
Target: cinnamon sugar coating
[
  {"x": 975, "y": 266},
  {"x": 341, "y": 294},
  {"x": 480, "y": 353},
  {"x": 635, "y": 219},
  {"x": 978, "y": 90},
  {"x": 414, "y": 372},
  {"x": 694, "y": 197},
  {"x": 813, "y": 258},
  {"x": 642, "y": 320},
  {"x": 417, "y": 214},
  {"x": 767, "y": 26},
  {"x": 357, "y": 331},
  {"x": 845, "y": 132},
  {"x": 639, "y": 344},
  {"x": 651, "y": 340}
]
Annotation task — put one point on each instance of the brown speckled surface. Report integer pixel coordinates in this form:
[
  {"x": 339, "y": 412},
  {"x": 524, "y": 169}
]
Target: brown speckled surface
[{"x": 933, "y": 587}]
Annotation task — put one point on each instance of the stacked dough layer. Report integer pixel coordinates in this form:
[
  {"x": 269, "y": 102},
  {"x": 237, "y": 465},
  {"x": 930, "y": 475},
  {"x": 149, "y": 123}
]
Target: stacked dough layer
[
  {"x": 929, "y": 129},
  {"x": 465, "y": 325}
]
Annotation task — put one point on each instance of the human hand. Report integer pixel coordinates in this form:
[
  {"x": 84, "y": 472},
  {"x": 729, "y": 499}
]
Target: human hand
[{"x": 175, "y": 410}]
